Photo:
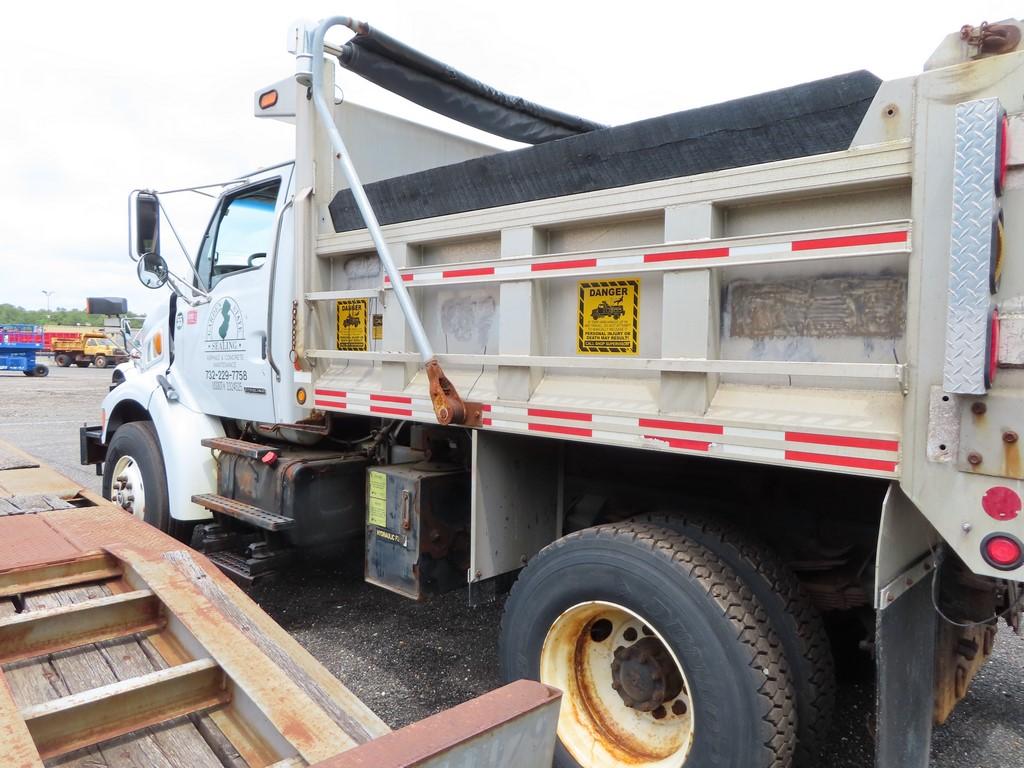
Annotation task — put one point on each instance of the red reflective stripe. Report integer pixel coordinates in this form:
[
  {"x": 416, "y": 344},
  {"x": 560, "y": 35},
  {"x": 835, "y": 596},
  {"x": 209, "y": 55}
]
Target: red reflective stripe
[
  {"x": 392, "y": 411},
  {"x": 545, "y": 414},
  {"x": 577, "y": 264},
  {"x": 485, "y": 406},
  {"x": 703, "y": 253},
  {"x": 841, "y": 461},
  {"x": 578, "y": 431},
  {"x": 487, "y": 422},
  {"x": 405, "y": 278},
  {"x": 842, "y": 242},
  {"x": 682, "y": 426},
  {"x": 686, "y": 445},
  {"x": 847, "y": 442},
  {"x": 475, "y": 271},
  {"x": 331, "y": 392},
  {"x": 329, "y": 403},
  {"x": 391, "y": 399}
]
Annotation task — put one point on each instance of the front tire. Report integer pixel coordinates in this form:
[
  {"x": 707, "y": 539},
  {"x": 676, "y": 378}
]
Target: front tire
[
  {"x": 100, "y": 361},
  {"x": 134, "y": 478},
  {"x": 607, "y": 614}
]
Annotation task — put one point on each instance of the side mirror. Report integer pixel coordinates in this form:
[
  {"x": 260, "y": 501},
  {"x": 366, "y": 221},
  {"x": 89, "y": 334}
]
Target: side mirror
[
  {"x": 147, "y": 224},
  {"x": 152, "y": 270},
  {"x": 128, "y": 334}
]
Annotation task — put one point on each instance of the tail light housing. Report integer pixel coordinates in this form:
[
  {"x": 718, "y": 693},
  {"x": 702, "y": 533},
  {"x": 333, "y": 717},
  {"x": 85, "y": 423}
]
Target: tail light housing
[{"x": 1002, "y": 551}]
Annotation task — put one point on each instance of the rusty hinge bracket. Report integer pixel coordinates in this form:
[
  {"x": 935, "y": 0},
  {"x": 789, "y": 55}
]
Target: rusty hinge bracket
[{"x": 448, "y": 406}]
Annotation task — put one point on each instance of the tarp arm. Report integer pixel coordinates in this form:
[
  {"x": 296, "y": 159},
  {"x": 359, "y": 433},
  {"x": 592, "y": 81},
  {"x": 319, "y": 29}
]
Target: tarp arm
[{"x": 448, "y": 406}]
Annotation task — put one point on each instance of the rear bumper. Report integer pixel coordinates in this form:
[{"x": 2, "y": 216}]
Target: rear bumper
[{"x": 91, "y": 447}]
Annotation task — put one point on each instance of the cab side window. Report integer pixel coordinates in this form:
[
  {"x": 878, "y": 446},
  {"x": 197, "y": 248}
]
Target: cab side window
[{"x": 240, "y": 236}]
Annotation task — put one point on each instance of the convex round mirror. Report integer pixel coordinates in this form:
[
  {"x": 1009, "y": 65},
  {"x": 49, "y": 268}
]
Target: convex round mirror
[{"x": 152, "y": 270}]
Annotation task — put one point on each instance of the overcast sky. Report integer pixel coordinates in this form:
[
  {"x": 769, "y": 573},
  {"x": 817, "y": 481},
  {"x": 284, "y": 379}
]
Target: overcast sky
[{"x": 101, "y": 98}]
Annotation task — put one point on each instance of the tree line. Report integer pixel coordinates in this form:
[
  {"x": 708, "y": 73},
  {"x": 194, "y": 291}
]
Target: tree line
[{"x": 9, "y": 313}]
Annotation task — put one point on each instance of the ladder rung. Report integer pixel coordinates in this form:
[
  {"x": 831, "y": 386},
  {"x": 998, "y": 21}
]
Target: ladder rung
[
  {"x": 78, "y": 570},
  {"x": 247, "y": 513},
  {"x": 237, "y": 447},
  {"x": 49, "y": 630},
  {"x": 91, "y": 717}
]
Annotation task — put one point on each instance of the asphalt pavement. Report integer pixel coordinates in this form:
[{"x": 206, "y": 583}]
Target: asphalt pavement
[{"x": 409, "y": 660}]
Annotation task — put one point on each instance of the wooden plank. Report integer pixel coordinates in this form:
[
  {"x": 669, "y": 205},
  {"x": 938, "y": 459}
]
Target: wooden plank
[
  {"x": 96, "y": 566},
  {"x": 96, "y": 715},
  {"x": 6, "y": 508},
  {"x": 37, "y": 502},
  {"x": 34, "y": 633},
  {"x": 10, "y": 460}
]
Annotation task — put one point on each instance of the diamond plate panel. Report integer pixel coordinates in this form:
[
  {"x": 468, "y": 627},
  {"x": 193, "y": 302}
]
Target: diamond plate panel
[{"x": 974, "y": 202}]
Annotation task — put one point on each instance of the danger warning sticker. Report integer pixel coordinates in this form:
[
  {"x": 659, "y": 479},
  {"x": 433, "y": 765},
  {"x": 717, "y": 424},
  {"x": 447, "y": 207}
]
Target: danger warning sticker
[
  {"x": 609, "y": 317},
  {"x": 352, "y": 335}
]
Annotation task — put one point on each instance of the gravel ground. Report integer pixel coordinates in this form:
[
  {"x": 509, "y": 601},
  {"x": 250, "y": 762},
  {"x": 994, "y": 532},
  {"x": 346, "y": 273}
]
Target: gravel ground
[{"x": 409, "y": 660}]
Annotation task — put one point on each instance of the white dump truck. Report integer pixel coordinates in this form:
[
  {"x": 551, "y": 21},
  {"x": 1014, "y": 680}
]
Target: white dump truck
[{"x": 716, "y": 394}]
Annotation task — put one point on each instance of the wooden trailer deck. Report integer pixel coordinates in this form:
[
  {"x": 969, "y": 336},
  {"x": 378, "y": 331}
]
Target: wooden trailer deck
[{"x": 121, "y": 647}]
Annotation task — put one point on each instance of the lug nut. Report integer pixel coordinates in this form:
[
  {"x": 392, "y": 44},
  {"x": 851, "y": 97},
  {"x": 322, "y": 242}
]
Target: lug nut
[
  {"x": 974, "y": 458},
  {"x": 1009, "y": 436},
  {"x": 978, "y": 408}
]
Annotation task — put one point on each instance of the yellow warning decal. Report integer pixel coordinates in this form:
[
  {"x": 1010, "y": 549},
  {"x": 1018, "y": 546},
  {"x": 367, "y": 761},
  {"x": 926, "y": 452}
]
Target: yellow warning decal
[
  {"x": 609, "y": 317},
  {"x": 378, "y": 327},
  {"x": 352, "y": 335},
  {"x": 377, "y": 504}
]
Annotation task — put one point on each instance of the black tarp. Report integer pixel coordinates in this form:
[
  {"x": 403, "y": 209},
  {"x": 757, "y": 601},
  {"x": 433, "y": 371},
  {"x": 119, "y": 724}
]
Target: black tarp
[
  {"x": 808, "y": 119},
  {"x": 443, "y": 89}
]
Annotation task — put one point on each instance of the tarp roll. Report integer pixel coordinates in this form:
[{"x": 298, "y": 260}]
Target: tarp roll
[{"x": 440, "y": 88}]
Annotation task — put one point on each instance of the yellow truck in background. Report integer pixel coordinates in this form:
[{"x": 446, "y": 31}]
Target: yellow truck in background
[{"x": 87, "y": 348}]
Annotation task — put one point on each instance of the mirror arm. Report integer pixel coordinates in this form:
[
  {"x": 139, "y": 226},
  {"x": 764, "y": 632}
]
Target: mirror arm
[{"x": 201, "y": 288}]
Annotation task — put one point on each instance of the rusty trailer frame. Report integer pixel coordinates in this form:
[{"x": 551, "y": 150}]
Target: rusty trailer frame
[{"x": 115, "y": 639}]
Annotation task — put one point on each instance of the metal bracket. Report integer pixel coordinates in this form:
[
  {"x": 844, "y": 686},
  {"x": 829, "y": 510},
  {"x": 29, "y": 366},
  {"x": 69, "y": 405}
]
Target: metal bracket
[{"x": 891, "y": 592}]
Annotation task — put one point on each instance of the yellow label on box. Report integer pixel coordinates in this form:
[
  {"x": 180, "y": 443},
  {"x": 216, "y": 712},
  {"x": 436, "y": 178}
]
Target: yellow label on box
[
  {"x": 377, "y": 512},
  {"x": 377, "y": 504},
  {"x": 608, "y": 317}
]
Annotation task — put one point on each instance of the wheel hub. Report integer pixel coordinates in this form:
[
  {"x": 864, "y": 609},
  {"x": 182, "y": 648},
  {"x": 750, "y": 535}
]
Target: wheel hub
[
  {"x": 127, "y": 490},
  {"x": 644, "y": 675}
]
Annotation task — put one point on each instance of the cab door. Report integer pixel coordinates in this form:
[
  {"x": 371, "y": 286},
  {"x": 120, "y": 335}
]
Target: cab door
[{"x": 221, "y": 346}]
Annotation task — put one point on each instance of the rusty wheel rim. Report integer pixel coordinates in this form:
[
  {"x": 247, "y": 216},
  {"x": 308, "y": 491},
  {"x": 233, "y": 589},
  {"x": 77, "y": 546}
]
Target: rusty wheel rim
[
  {"x": 617, "y": 708},
  {"x": 127, "y": 489}
]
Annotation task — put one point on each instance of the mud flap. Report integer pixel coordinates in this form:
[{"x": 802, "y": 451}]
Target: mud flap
[{"x": 905, "y": 651}]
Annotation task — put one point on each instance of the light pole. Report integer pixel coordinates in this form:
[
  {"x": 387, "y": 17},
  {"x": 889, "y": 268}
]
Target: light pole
[{"x": 48, "y": 295}]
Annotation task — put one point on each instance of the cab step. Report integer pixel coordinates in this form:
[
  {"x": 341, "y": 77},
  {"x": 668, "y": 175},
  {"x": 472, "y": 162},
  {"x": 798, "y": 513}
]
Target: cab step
[
  {"x": 238, "y": 447},
  {"x": 245, "y": 571},
  {"x": 247, "y": 513}
]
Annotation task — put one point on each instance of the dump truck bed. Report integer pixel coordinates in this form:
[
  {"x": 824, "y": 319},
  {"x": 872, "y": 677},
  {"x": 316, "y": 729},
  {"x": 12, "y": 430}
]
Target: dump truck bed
[{"x": 120, "y": 646}]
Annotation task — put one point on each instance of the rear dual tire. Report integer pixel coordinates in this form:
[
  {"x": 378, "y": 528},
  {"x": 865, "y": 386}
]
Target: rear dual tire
[
  {"x": 793, "y": 617},
  {"x": 740, "y": 709}
]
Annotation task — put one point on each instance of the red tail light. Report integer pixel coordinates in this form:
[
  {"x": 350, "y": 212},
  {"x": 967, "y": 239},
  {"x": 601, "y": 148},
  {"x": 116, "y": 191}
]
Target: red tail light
[{"x": 1002, "y": 551}]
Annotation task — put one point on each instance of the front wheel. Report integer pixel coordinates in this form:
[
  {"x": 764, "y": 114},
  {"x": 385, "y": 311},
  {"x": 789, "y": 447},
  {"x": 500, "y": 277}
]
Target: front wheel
[
  {"x": 664, "y": 656},
  {"x": 134, "y": 478},
  {"x": 100, "y": 361},
  {"x": 42, "y": 370}
]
